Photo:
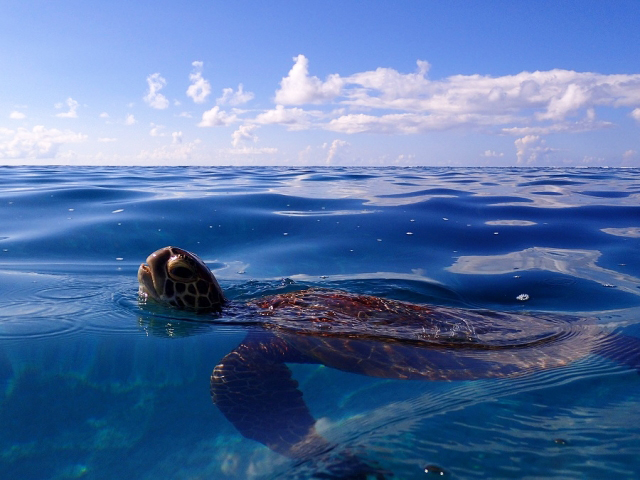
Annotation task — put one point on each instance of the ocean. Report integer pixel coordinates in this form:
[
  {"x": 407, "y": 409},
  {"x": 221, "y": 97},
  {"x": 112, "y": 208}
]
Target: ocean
[{"x": 96, "y": 385}]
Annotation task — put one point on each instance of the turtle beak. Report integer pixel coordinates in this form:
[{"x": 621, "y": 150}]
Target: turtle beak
[
  {"x": 146, "y": 282},
  {"x": 151, "y": 275}
]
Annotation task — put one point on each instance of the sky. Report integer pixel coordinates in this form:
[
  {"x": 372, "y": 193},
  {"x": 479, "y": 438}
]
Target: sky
[{"x": 320, "y": 82}]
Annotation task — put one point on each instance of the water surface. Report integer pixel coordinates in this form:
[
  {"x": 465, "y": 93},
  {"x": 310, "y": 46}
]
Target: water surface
[{"x": 93, "y": 385}]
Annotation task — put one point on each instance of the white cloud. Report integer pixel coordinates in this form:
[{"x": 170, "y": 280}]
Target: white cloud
[
  {"x": 527, "y": 103},
  {"x": 73, "y": 106},
  {"x": 551, "y": 94},
  {"x": 107, "y": 140},
  {"x": 153, "y": 98},
  {"x": 15, "y": 115},
  {"x": 336, "y": 145},
  {"x": 584, "y": 125},
  {"x": 156, "y": 130},
  {"x": 390, "y": 85},
  {"x": 574, "y": 97},
  {"x": 295, "y": 118},
  {"x": 185, "y": 115},
  {"x": 176, "y": 138},
  {"x": 491, "y": 153},
  {"x": 530, "y": 148},
  {"x": 234, "y": 98},
  {"x": 130, "y": 120},
  {"x": 216, "y": 118},
  {"x": 200, "y": 88},
  {"x": 252, "y": 151},
  {"x": 181, "y": 152},
  {"x": 298, "y": 87},
  {"x": 404, "y": 123},
  {"x": 104, "y": 115},
  {"x": 40, "y": 142},
  {"x": 244, "y": 132}
]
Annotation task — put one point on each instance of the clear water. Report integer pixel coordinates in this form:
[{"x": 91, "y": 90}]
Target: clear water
[{"x": 93, "y": 385}]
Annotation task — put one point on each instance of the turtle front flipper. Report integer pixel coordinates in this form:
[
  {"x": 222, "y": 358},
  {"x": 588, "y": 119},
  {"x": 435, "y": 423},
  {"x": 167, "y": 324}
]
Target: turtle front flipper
[{"x": 255, "y": 390}]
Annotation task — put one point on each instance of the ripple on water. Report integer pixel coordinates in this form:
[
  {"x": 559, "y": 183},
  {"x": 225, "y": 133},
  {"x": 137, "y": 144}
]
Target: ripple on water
[
  {"x": 511, "y": 223},
  {"x": 69, "y": 292},
  {"x": 26, "y": 313},
  {"x": 19, "y": 328},
  {"x": 58, "y": 305}
]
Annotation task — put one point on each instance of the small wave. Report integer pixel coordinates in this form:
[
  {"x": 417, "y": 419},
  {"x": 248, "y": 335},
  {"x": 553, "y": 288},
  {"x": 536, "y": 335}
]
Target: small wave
[
  {"x": 511, "y": 223},
  {"x": 69, "y": 292},
  {"x": 321, "y": 213},
  {"x": 552, "y": 182},
  {"x": 606, "y": 194}
]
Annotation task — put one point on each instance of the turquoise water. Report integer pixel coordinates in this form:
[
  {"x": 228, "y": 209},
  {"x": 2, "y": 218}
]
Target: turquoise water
[{"x": 94, "y": 385}]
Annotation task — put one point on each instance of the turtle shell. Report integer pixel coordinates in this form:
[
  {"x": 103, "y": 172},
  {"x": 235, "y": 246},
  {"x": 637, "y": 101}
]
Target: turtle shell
[{"x": 392, "y": 339}]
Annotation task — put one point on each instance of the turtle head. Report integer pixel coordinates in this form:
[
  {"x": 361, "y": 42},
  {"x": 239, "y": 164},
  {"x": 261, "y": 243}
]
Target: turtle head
[{"x": 179, "y": 278}]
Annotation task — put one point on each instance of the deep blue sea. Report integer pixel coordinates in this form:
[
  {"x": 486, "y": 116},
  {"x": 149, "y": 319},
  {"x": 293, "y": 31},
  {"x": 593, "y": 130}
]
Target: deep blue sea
[{"x": 94, "y": 385}]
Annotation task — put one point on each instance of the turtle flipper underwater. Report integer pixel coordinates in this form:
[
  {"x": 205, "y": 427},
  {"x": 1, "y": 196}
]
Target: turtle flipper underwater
[
  {"x": 253, "y": 387},
  {"x": 255, "y": 390}
]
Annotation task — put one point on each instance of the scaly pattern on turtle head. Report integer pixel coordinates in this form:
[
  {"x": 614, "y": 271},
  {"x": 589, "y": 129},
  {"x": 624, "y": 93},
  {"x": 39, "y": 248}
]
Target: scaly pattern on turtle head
[{"x": 179, "y": 278}]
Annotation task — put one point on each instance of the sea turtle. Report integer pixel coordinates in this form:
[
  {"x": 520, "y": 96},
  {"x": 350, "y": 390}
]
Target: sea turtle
[{"x": 253, "y": 387}]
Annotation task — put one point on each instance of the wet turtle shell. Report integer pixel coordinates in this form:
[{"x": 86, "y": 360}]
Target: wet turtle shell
[{"x": 391, "y": 339}]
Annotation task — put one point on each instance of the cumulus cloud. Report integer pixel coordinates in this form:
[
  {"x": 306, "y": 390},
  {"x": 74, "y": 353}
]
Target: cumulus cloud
[
  {"x": 217, "y": 118},
  {"x": 104, "y": 115},
  {"x": 405, "y": 123},
  {"x": 40, "y": 142},
  {"x": 73, "y": 106},
  {"x": 200, "y": 88},
  {"x": 336, "y": 145},
  {"x": 552, "y": 95},
  {"x": 294, "y": 118},
  {"x": 574, "y": 97},
  {"x": 15, "y": 115},
  {"x": 130, "y": 120},
  {"x": 154, "y": 98},
  {"x": 390, "y": 85},
  {"x": 530, "y": 148},
  {"x": 244, "y": 132},
  {"x": 298, "y": 88},
  {"x": 176, "y": 138},
  {"x": 229, "y": 97},
  {"x": 156, "y": 130},
  {"x": 385, "y": 100},
  {"x": 107, "y": 140}
]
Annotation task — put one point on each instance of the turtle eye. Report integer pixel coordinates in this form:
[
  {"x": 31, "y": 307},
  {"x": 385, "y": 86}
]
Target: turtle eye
[{"x": 181, "y": 271}]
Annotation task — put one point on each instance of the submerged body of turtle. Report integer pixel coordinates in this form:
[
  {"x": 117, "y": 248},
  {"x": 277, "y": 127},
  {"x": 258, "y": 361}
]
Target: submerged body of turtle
[{"x": 254, "y": 388}]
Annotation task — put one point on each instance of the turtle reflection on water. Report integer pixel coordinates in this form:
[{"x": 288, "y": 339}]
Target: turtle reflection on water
[{"x": 254, "y": 389}]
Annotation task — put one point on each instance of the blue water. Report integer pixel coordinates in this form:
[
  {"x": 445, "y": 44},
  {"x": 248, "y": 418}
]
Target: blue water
[{"x": 94, "y": 385}]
